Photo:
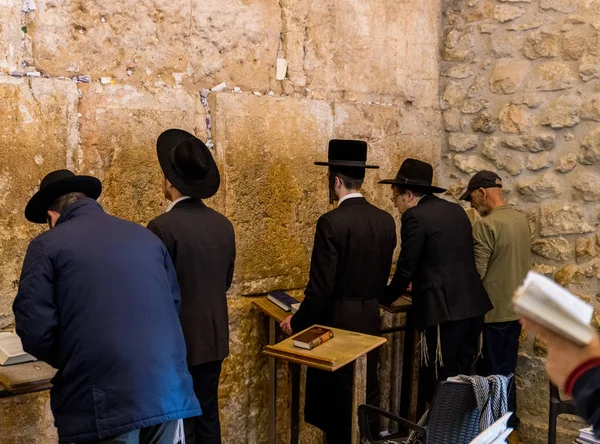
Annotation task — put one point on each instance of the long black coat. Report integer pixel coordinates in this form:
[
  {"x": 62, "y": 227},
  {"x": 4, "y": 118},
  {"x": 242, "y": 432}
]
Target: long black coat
[
  {"x": 437, "y": 257},
  {"x": 201, "y": 242},
  {"x": 349, "y": 270}
]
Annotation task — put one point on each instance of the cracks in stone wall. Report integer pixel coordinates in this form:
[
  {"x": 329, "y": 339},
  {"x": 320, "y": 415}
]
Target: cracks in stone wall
[{"x": 305, "y": 43}]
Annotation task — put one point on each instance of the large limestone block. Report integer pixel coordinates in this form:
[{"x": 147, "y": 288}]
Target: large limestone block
[
  {"x": 177, "y": 41},
  {"x": 104, "y": 38},
  {"x": 38, "y": 134},
  {"x": 275, "y": 193},
  {"x": 27, "y": 419},
  {"x": 10, "y": 35},
  {"x": 363, "y": 50},
  {"x": 235, "y": 41},
  {"x": 119, "y": 127}
]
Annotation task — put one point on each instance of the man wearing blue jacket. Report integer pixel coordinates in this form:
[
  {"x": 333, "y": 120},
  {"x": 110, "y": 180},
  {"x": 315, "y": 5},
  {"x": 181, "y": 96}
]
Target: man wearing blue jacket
[{"x": 98, "y": 300}]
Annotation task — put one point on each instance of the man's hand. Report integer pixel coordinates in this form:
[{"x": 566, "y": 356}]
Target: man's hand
[
  {"x": 563, "y": 355},
  {"x": 286, "y": 325},
  {"x": 409, "y": 289}
]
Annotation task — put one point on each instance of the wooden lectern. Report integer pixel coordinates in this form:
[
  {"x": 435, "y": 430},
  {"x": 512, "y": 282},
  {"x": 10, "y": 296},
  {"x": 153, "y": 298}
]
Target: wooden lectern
[
  {"x": 346, "y": 347},
  {"x": 21, "y": 379}
]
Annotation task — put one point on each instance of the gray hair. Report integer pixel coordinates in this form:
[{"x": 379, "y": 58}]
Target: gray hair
[{"x": 65, "y": 201}]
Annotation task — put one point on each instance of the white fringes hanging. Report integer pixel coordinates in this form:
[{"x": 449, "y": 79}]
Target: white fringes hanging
[
  {"x": 424, "y": 350},
  {"x": 180, "y": 433}
]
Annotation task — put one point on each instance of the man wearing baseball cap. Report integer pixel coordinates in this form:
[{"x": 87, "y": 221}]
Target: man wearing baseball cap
[{"x": 503, "y": 257}]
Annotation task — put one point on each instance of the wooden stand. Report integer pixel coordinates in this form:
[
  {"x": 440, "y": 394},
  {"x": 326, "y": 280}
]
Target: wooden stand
[
  {"x": 409, "y": 391},
  {"x": 276, "y": 316},
  {"x": 346, "y": 347},
  {"x": 21, "y": 379}
]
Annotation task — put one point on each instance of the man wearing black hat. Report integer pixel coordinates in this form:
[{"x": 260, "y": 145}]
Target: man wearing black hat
[
  {"x": 449, "y": 301},
  {"x": 349, "y": 269},
  {"x": 202, "y": 245},
  {"x": 98, "y": 300},
  {"x": 503, "y": 257}
]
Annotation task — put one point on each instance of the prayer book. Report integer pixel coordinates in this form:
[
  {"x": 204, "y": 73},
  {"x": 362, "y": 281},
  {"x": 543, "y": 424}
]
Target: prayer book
[
  {"x": 586, "y": 436},
  {"x": 11, "y": 350},
  {"x": 282, "y": 300},
  {"x": 497, "y": 433},
  {"x": 544, "y": 301},
  {"x": 313, "y": 337}
]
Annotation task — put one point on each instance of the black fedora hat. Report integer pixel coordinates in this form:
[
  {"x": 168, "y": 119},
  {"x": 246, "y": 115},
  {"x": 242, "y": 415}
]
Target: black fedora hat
[
  {"x": 347, "y": 153},
  {"x": 56, "y": 184},
  {"x": 188, "y": 164},
  {"x": 415, "y": 175}
]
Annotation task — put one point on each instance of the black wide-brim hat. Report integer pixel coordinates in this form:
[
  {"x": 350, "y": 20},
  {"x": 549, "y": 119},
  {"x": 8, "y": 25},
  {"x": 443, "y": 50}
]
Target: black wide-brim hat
[
  {"x": 347, "y": 153},
  {"x": 56, "y": 184},
  {"x": 188, "y": 164},
  {"x": 415, "y": 175}
]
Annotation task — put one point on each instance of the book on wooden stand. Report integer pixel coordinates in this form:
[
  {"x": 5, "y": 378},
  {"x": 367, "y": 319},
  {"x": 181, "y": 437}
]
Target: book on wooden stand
[
  {"x": 11, "y": 350},
  {"x": 283, "y": 300},
  {"x": 313, "y": 337},
  {"x": 547, "y": 303}
]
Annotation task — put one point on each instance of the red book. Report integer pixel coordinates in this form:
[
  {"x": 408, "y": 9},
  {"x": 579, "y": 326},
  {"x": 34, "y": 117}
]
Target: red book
[{"x": 313, "y": 337}]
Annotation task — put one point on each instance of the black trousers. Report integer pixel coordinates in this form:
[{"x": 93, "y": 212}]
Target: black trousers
[
  {"x": 205, "y": 429},
  {"x": 500, "y": 352},
  {"x": 339, "y": 431},
  {"x": 158, "y": 434},
  {"x": 460, "y": 345}
]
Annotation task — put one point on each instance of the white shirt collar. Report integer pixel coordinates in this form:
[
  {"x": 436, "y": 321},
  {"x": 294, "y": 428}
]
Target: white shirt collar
[
  {"x": 420, "y": 199},
  {"x": 176, "y": 201},
  {"x": 349, "y": 196}
]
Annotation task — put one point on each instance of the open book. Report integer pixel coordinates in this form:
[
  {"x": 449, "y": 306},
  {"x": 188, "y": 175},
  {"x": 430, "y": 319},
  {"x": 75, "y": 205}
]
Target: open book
[
  {"x": 11, "y": 350},
  {"x": 497, "y": 433},
  {"x": 544, "y": 301}
]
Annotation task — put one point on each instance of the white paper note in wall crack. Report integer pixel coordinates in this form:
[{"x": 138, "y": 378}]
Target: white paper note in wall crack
[{"x": 28, "y": 5}]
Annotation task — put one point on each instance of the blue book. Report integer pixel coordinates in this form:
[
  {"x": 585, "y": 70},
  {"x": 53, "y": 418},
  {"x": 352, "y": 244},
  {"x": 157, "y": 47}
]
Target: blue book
[{"x": 282, "y": 300}]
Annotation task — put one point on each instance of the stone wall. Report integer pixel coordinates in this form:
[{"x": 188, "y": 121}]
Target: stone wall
[
  {"x": 355, "y": 70},
  {"x": 519, "y": 94}
]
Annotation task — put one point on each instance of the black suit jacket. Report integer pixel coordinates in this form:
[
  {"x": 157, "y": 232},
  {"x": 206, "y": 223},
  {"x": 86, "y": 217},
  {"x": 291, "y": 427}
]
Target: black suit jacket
[
  {"x": 201, "y": 242},
  {"x": 437, "y": 257},
  {"x": 351, "y": 262},
  {"x": 349, "y": 270}
]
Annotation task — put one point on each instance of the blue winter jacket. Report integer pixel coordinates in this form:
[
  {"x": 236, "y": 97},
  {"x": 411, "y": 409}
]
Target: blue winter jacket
[{"x": 98, "y": 300}]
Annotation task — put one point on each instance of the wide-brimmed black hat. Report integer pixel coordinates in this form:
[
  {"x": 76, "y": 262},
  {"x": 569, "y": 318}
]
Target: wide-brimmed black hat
[
  {"x": 415, "y": 175},
  {"x": 483, "y": 179},
  {"x": 347, "y": 153},
  {"x": 188, "y": 164},
  {"x": 56, "y": 184}
]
